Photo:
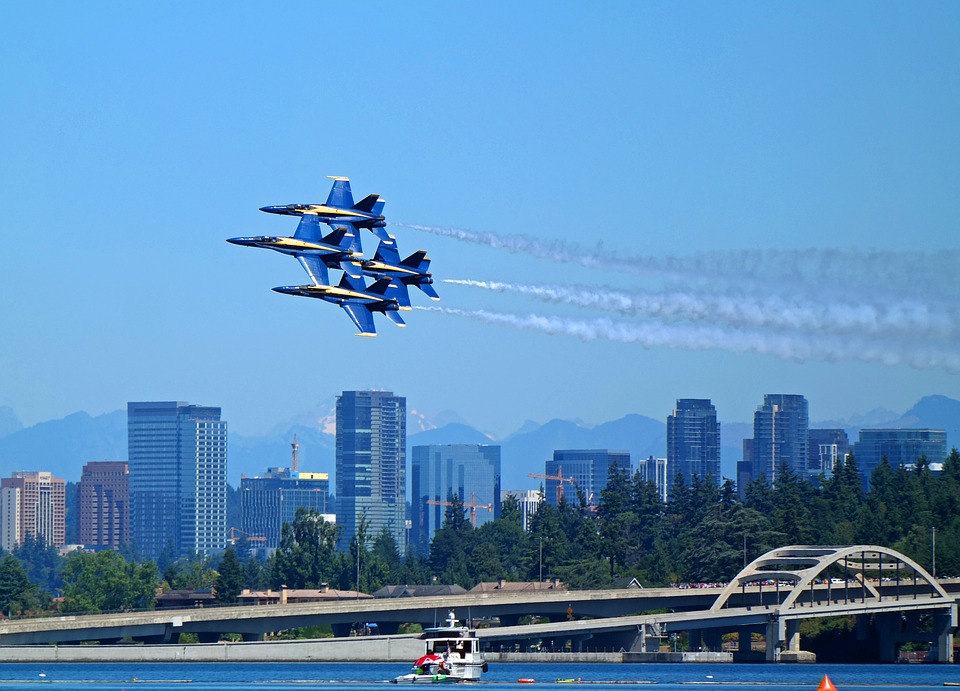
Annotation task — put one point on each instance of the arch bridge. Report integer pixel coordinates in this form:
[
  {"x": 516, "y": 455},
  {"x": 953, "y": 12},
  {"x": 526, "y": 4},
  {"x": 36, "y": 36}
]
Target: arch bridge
[{"x": 876, "y": 584}]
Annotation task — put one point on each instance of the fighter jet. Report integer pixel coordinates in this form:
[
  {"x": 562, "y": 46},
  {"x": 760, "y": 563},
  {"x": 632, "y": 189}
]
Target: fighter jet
[
  {"x": 358, "y": 301},
  {"x": 315, "y": 252},
  {"x": 340, "y": 211},
  {"x": 413, "y": 270}
]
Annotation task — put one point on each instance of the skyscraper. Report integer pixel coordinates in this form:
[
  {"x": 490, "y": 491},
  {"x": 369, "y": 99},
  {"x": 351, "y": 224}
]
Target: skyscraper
[
  {"x": 178, "y": 478},
  {"x": 371, "y": 464},
  {"x": 469, "y": 471},
  {"x": 693, "y": 442},
  {"x": 588, "y": 470},
  {"x": 267, "y": 502},
  {"x": 33, "y": 503},
  {"x": 825, "y": 449},
  {"x": 104, "y": 498},
  {"x": 899, "y": 446},
  {"x": 780, "y": 435}
]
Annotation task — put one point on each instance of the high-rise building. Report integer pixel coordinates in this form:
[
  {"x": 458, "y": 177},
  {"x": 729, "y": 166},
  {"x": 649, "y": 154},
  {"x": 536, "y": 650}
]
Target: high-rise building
[
  {"x": 825, "y": 449},
  {"x": 177, "y": 454},
  {"x": 371, "y": 464},
  {"x": 693, "y": 441},
  {"x": 267, "y": 502},
  {"x": 104, "y": 498},
  {"x": 899, "y": 446},
  {"x": 33, "y": 503},
  {"x": 583, "y": 470},
  {"x": 655, "y": 470},
  {"x": 780, "y": 434},
  {"x": 471, "y": 472},
  {"x": 528, "y": 501}
]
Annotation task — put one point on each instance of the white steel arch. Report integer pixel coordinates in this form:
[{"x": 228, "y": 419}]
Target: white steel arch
[{"x": 802, "y": 564}]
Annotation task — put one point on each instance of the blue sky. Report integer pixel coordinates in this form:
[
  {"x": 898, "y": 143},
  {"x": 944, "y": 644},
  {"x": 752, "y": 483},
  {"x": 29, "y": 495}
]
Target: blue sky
[{"x": 770, "y": 189}]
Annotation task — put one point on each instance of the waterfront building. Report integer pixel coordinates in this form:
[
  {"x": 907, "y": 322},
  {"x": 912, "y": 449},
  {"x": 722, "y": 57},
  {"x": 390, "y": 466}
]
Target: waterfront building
[
  {"x": 269, "y": 501},
  {"x": 371, "y": 465},
  {"x": 177, "y": 455},
  {"x": 471, "y": 472},
  {"x": 32, "y": 503},
  {"x": 104, "y": 504},
  {"x": 780, "y": 436},
  {"x": 581, "y": 470},
  {"x": 693, "y": 441},
  {"x": 899, "y": 446}
]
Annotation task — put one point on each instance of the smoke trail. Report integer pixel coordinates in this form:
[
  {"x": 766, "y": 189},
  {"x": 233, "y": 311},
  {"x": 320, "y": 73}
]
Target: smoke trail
[
  {"x": 785, "y": 347},
  {"x": 926, "y": 273},
  {"x": 910, "y": 317}
]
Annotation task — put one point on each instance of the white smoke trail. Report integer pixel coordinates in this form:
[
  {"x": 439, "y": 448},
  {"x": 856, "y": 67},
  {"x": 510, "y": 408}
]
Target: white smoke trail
[
  {"x": 904, "y": 317},
  {"x": 918, "y": 273},
  {"x": 786, "y": 347}
]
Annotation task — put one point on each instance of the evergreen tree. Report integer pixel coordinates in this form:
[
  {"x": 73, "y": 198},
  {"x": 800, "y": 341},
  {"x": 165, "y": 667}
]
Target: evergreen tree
[
  {"x": 17, "y": 592},
  {"x": 230, "y": 577}
]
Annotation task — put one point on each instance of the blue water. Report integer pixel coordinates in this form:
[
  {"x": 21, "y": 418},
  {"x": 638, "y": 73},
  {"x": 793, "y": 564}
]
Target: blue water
[{"x": 331, "y": 677}]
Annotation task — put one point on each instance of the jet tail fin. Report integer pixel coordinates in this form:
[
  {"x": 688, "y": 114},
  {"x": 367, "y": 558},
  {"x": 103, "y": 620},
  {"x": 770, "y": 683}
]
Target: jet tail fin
[
  {"x": 368, "y": 203},
  {"x": 308, "y": 229},
  {"x": 340, "y": 195},
  {"x": 418, "y": 260}
]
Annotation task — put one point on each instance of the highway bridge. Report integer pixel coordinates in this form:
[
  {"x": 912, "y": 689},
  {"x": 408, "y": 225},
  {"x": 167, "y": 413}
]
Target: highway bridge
[{"x": 879, "y": 586}]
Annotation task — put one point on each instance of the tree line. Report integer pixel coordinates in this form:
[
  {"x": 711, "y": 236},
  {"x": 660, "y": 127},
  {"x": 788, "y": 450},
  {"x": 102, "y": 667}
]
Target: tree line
[{"x": 704, "y": 534}]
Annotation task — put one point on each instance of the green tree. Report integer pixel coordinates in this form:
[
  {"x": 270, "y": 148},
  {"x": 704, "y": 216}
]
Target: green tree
[
  {"x": 105, "y": 581},
  {"x": 307, "y": 554},
  {"x": 17, "y": 592},
  {"x": 230, "y": 577}
]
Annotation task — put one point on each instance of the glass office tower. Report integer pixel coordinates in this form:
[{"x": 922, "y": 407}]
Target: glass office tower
[
  {"x": 470, "y": 472},
  {"x": 583, "y": 470},
  {"x": 780, "y": 436},
  {"x": 693, "y": 442},
  {"x": 177, "y": 455},
  {"x": 371, "y": 465}
]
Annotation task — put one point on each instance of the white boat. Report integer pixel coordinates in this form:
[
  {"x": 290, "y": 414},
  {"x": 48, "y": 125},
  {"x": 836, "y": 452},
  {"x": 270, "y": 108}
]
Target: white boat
[{"x": 452, "y": 654}]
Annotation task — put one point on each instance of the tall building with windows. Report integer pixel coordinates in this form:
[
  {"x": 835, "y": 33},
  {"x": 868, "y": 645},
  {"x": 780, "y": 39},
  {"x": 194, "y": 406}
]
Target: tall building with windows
[
  {"x": 655, "y": 470},
  {"x": 33, "y": 503},
  {"x": 582, "y": 470},
  {"x": 267, "y": 502},
  {"x": 528, "y": 501},
  {"x": 371, "y": 464},
  {"x": 693, "y": 441},
  {"x": 825, "y": 449},
  {"x": 104, "y": 498},
  {"x": 780, "y": 436},
  {"x": 177, "y": 455},
  {"x": 470, "y": 472},
  {"x": 899, "y": 446}
]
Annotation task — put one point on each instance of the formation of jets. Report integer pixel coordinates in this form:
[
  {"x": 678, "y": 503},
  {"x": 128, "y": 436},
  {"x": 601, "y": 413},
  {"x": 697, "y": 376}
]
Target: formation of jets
[{"x": 341, "y": 249}]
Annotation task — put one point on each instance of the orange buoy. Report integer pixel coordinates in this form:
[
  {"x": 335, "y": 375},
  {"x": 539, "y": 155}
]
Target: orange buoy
[{"x": 826, "y": 684}]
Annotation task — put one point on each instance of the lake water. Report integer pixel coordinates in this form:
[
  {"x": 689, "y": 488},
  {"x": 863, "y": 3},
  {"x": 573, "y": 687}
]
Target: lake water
[{"x": 332, "y": 677}]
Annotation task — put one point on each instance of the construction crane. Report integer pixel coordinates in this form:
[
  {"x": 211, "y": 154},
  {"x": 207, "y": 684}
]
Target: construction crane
[
  {"x": 558, "y": 477},
  {"x": 249, "y": 536},
  {"x": 473, "y": 506}
]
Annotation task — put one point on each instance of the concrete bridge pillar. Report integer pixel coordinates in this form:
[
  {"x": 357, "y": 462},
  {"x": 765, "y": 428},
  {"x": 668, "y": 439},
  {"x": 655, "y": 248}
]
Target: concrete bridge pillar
[
  {"x": 792, "y": 641},
  {"x": 943, "y": 626},
  {"x": 888, "y": 625},
  {"x": 774, "y": 633},
  {"x": 712, "y": 640},
  {"x": 340, "y": 630}
]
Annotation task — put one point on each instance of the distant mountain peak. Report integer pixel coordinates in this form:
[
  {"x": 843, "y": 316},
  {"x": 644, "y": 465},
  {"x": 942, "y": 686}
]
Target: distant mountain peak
[{"x": 9, "y": 422}]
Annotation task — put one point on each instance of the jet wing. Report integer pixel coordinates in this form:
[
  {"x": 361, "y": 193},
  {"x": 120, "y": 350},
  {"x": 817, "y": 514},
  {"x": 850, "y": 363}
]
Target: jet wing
[
  {"x": 315, "y": 268},
  {"x": 362, "y": 317}
]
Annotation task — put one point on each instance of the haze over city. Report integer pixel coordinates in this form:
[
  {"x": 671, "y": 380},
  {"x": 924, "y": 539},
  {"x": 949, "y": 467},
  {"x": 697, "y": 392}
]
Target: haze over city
[{"x": 625, "y": 204}]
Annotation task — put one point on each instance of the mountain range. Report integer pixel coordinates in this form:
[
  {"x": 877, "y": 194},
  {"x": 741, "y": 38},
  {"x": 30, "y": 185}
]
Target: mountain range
[{"x": 63, "y": 446}]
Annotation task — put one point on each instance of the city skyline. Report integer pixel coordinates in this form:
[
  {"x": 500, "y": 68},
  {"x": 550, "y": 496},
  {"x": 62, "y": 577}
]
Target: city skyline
[{"x": 683, "y": 201}]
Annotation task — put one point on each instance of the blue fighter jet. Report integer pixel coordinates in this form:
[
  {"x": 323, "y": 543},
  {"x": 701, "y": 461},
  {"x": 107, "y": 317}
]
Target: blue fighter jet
[
  {"x": 339, "y": 211},
  {"x": 412, "y": 271},
  {"x": 358, "y": 301},
  {"x": 315, "y": 252}
]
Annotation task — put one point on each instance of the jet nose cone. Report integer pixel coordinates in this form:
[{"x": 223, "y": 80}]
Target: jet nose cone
[
  {"x": 236, "y": 241},
  {"x": 271, "y": 209},
  {"x": 286, "y": 290}
]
